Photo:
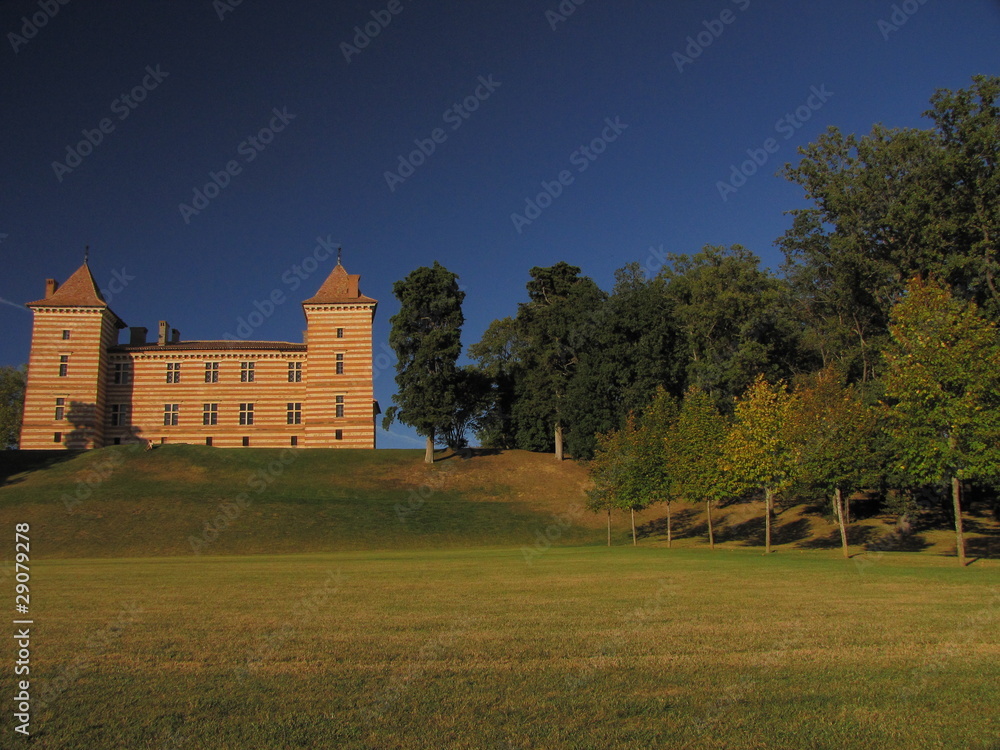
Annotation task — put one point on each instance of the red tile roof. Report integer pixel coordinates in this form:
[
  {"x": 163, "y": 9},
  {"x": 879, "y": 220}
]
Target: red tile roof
[
  {"x": 221, "y": 345},
  {"x": 340, "y": 287},
  {"x": 80, "y": 290}
]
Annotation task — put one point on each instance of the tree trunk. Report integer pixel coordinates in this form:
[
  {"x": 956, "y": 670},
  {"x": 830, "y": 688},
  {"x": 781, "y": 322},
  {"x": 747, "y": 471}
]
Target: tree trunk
[
  {"x": 559, "y": 442},
  {"x": 429, "y": 452},
  {"x": 634, "y": 542},
  {"x": 838, "y": 500},
  {"x": 670, "y": 531},
  {"x": 956, "y": 495},
  {"x": 847, "y": 511},
  {"x": 767, "y": 522},
  {"x": 711, "y": 534},
  {"x": 609, "y": 527}
]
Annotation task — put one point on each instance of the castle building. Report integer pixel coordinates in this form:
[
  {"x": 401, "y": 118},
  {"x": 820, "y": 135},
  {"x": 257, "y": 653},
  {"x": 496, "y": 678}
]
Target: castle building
[{"x": 85, "y": 389}]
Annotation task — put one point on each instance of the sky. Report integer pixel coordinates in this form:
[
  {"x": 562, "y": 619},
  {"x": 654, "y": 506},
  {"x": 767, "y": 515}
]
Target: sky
[{"x": 210, "y": 153}]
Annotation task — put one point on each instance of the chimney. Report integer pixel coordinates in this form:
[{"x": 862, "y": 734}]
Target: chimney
[
  {"x": 137, "y": 335},
  {"x": 50, "y": 287},
  {"x": 175, "y": 336},
  {"x": 164, "y": 333}
]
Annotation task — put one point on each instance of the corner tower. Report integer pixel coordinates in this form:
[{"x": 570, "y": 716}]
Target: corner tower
[
  {"x": 64, "y": 400},
  {"x": 340, "y": 405}
]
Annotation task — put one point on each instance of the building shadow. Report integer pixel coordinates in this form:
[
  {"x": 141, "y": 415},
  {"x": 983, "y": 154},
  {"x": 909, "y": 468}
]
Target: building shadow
[{"x": 17, "y": 462}]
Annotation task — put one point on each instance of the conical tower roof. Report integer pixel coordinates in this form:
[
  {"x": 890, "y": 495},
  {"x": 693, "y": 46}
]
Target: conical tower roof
[
  {"x": 80, "y": 290},
  {"x": 340, "y": 287}
]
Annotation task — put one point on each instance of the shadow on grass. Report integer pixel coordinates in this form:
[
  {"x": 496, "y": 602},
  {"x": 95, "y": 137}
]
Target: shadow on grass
[
  {"x": 467, "y": 453},
  {"x": 751, "y": 532},
  {"x": 682, "y": 525},
  {"x": 983, "y": 547},
  {"x": 19, "y": 462},
  {"x": 856, "y": 535}
]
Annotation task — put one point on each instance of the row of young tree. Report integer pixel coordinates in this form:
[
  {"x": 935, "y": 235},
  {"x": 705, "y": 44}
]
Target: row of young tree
[
  {"x": 934, "y": 420},
  {"x": 574, "y": 360}
]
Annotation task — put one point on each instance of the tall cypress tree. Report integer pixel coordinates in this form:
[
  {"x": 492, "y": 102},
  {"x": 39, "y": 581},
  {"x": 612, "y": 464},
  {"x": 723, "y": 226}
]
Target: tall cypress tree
[{"x": 426, "y": 336}]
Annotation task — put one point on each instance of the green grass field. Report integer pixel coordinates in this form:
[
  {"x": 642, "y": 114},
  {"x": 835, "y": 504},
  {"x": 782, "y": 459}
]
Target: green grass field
[
  {"x": 582, "y": 648},
  {"x": 364, "y": 600}
]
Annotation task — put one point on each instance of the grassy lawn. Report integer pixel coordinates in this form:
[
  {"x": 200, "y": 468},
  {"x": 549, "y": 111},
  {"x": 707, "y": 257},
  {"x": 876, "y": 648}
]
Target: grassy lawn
[{"x": 582, "y": 648}]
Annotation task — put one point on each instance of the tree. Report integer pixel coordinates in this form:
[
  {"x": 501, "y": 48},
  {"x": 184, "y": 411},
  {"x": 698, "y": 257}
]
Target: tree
[
  {"x": 943, "y": 388},
  {"x": 473, "y": 400},
  {"x": 735, "y": 317},
  {"x": 833, "y": 436},
  {"x": 629, "y": 346},
  {"x": 756, "y": 451},
  {"x": 694, "y": 450},
  {"x": 891, "y": 205},
  {"x": 497, "y": 356},
  {"x": 609, "y": 470},
  {"x": 629, "y": 467},
  {"x": 653, "y": 471},
  {"x": 426, "y": 336},
  {"x": 548, "y": 328},
  {"x": 12, "y": 382}
]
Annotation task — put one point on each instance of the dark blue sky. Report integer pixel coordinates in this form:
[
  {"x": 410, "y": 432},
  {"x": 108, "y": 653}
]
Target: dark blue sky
[{"x": 208, "y": 85}]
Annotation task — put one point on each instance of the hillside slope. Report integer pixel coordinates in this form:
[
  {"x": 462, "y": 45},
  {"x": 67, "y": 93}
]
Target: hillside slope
[{"x": 182, "y": 499}]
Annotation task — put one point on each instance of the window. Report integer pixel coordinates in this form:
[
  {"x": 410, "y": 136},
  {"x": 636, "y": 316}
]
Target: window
[
  {"x": 294, "y": 372},
  {"x": 173, "y": 372},
  {"x": 210, "y": 414},
  {"x": 116, "y": 441},
  {"x": 246, "y": 413},
  {"x": 56, "y": 437},
  {"x": 295, "y": 440},
  {"x": 340, "y": 407},
  {"x": 211, "y": 372},
  {"x": 246, "y": 441},
  {"x": 208, "y": 442},
  {"x": 340, "y": 333},
  {"x": 119, "y": 415},
  {"x": 294, "y": 413},
  {"x": 123, "y": 373},
  {"x": 170, "y": 414},
  {"x": 63, "y": 365},
  {"x": 246, "y": 372},
  {"x": 65, "y": 335},
  {"x": 60, "y": 409},
  {"x": 340, "y": 364},
  {"x": 338, "y": 435}
]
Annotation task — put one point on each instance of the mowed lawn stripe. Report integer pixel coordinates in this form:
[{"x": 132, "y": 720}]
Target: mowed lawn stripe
[{"x": 585, "y": 647}]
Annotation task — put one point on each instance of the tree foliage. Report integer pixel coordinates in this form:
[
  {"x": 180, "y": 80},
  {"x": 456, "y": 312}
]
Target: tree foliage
[
  {"x": 694, "y": 450},
  {"x": 735, "y": 318},
  {"x": 757, "y": 452},
  {"x": 426, "y": 336},
  {"x": 943, "y": 383},
  {"x": 12, "y": 382}
]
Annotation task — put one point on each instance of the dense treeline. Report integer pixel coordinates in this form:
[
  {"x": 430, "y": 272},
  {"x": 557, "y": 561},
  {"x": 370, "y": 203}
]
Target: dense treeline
[{"x": 780, "y": 372}]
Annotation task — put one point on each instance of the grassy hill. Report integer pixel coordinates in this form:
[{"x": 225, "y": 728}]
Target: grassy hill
[{"x": 122, "y": 502}]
